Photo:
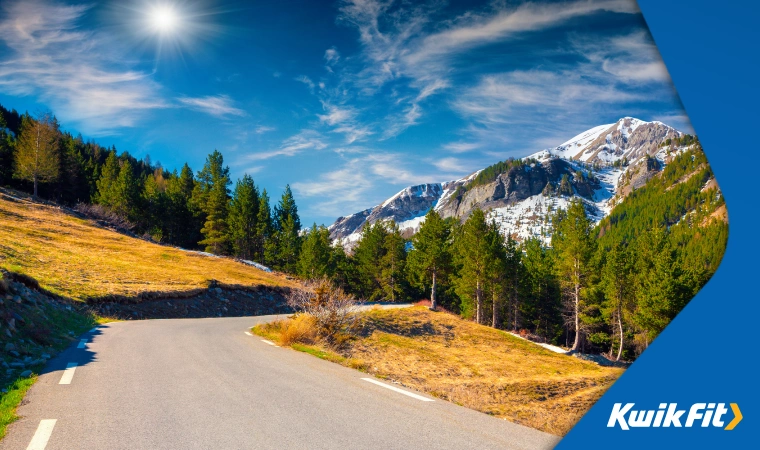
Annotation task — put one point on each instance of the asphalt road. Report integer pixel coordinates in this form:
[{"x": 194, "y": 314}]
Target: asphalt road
[{"x": 206, "y": 384}]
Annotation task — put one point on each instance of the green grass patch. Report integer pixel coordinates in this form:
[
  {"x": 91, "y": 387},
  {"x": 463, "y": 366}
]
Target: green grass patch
[
  {"x": 10, "y": 400},
  {"x": 319, "y": 353}
]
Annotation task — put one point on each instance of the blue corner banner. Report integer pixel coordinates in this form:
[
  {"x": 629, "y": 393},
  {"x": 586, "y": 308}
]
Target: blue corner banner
[{"x": 698, "y": 382}]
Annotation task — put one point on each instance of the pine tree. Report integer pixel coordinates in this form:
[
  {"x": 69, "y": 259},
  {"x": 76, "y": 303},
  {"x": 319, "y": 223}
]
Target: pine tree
[
  {"x": 156, "y": 208},
  {"x": 244, "y": 210},
  {"x": 430, "y": 260},
  {"x": 392, "y": 264},
  {"x": 6, "y": 153},
  {"x": 264, "y": 230},
  {"x": 183, "y": 225},
  {"x": 512, "y": 276},
  {"x": 286, "y": 240},
  {"x": 37, "y": 156},
  {"x": 211, "y": 194},
  {"x": 617, "y": 281},
  {"x": 473, "y": 255},
  {"x": 541, "y": 303},
  {"x": 126, "y": 193},
  {"x": 316, "y": 254},
  {"x": 368, "y": 253},
  {"x": 574, "y": 246},
  {"x": 107, "y": 194}
]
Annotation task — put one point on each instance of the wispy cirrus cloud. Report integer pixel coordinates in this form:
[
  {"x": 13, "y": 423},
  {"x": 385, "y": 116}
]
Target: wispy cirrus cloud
[
  {"x": 301, "y": 142},
  {"x": 400, "y": 45},
  {"x": 72, "y": 70},
  {"x": 360, "y": 181},
  {"x": 215, "y": 105}
]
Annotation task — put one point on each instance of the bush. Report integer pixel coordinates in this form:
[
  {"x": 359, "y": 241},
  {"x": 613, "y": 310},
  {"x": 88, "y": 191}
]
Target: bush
[
  {"x": 301, "y": 329},
  {"x": 335, "y": 313}
]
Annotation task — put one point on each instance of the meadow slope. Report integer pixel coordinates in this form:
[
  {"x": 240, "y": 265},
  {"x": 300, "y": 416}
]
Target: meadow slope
[
  {"x": 78, "y": 259},
  {"x": 473, "y": 365}
]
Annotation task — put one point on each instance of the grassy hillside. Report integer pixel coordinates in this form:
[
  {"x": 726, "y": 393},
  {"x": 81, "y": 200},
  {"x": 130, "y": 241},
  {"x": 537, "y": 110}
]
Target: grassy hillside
[
  {"x": 77, "y": 259},
  {"x": 472, "y": 365}
]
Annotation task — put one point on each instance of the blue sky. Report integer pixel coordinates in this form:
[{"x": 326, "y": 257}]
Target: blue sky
[{"x": 347, "y": 101}]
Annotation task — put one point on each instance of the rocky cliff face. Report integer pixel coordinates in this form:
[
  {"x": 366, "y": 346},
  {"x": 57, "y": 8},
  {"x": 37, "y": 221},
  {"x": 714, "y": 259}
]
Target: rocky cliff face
[{"x": 599, "y": 166}]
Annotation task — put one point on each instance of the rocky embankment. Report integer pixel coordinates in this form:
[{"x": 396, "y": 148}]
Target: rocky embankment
[
  {"x": 34, "y": 326},
  {"x": 212, "y": 302}
]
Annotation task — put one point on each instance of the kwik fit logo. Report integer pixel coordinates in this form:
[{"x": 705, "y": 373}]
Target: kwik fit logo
[{"x": 668, "y": 415}]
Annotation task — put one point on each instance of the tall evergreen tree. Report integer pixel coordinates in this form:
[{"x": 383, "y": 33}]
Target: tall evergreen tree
[
  {"x": 540, "y": 288},
  {"x": 393, "y": 264},
  {"x": 368, "y": 253},
  {"x": 183, "y": 225},
  {"x": 127, "y": 193},
  {"x": 316, "y": 254},
  {"x": 107, "y": 182},
  {"x": 286, "y": 237},
  {"x": 212, "y": 195},
  {"x": 617, "y": 281},
  {"x": 264, "y": 230},
  {"x": 244, "y": 211},
  {"x": 474, "y": 257},
  {"x": 430, "y": 260},
  {"x": 574, "y": 246}
]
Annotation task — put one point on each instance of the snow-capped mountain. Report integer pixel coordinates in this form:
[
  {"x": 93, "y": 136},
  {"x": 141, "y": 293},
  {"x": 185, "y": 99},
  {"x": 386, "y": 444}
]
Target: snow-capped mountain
[{"x": 600, "y": 166}]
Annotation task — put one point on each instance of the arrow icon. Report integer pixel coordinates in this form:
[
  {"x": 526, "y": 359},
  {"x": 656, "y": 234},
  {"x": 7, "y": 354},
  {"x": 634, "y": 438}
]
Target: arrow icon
[{"x": 737, "y": 417}]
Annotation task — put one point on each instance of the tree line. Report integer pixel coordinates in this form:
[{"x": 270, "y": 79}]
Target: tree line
[
  {"x": 607, "y": 288},
  {"x": 610, "y": 288},
  {"x": 202, "y": 210}
]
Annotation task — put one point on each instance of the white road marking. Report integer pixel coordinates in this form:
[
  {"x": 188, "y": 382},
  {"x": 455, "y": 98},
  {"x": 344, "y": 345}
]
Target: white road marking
[
  {"x": 82, "y": 343},
  {"x": 248, "y": 333},
  {"x": 42, "y": 435},
  {"x": 269, "y": 342},
  {"x": 400, "y": 391},
  {"x": 68, "y": 373},
  {"x": 94, "y": 330}
]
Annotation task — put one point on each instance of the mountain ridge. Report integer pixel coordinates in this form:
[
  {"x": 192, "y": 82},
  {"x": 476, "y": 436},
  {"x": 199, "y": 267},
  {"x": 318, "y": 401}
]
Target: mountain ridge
[{"x": 600, "y": 166}]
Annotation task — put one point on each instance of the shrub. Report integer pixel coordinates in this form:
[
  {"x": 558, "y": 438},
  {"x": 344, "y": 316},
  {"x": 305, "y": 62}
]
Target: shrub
[{"x": 335, "y": 313}]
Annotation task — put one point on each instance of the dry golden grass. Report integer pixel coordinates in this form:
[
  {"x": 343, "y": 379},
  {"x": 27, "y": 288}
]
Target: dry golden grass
[
  {"x": 73, "y": 257},
  {"x": 301, "y": 329},
  {"x": 476, "y": 366}
]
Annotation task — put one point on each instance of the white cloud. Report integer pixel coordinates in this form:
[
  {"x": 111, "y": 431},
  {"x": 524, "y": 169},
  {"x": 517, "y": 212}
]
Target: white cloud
[
  {"x": 335, "y": 114},
  {"x": 303, "y": 141},
  {"x": 398, "y": 47},
  {"x": 365, "y": 179},
  {"x": 261, "y": 129},
  {"x": 305, "y": 80},
  {"x": 79, "y": 74},
  {"x": 473, "y": 30},
  {"x": 461, "y": 147},
  {"x": 215, "y": 105},
  {"x": 332, "y": 56}
]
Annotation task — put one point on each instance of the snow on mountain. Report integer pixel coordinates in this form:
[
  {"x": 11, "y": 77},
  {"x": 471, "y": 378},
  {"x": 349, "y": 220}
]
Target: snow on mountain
[{"x": 600, "y": 166}]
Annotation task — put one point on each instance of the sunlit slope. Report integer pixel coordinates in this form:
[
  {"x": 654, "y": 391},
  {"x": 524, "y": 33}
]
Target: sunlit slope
[{"x": 75, "y": 258}]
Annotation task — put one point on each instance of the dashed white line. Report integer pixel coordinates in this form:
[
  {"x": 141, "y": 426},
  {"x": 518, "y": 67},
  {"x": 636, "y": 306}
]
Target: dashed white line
[
  {"x": 400, "y": 391},
  {"x": 68, "y": 373},
  {"x": 94, "y": 330},
  {"x": 248, "y": 333},
  {"x": 82, "y": 343},
  {"x": 42, "y": 435},
  {"x": 269, "y": 342}
]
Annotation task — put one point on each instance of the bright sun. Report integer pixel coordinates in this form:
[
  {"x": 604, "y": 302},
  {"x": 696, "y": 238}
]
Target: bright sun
[{"x": 164, "y": 19}]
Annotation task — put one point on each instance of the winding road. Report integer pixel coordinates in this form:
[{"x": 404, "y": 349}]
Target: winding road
[{"x": 207, "y": 384}]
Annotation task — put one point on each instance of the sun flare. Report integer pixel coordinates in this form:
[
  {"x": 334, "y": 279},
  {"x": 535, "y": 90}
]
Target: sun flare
[{"x": 164, "y": 19}]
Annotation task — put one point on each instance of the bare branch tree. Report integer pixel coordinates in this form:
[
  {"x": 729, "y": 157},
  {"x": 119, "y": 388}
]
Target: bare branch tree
[{"x": 335, "y": 311}]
